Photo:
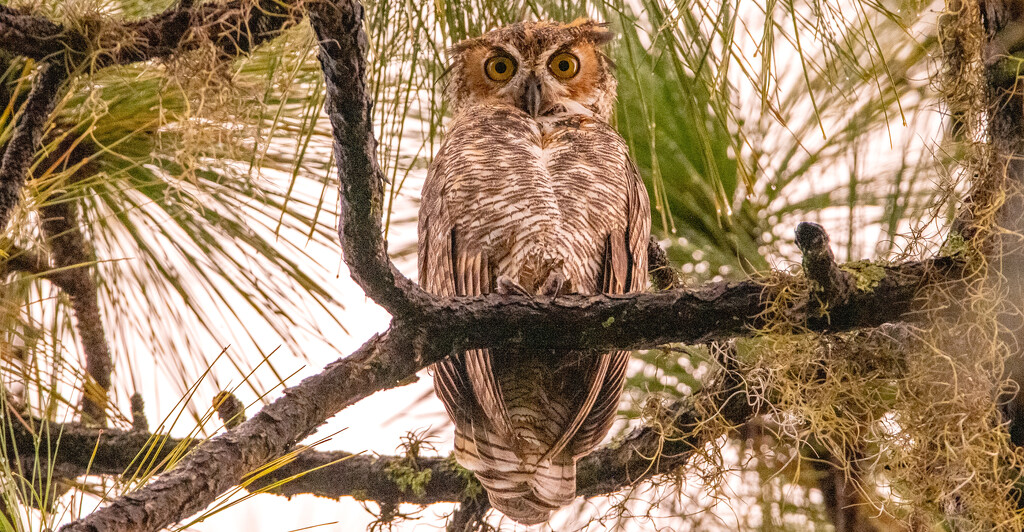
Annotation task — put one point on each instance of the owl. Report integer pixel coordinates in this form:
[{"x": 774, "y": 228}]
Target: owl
[{"x": 532, "y": 192}]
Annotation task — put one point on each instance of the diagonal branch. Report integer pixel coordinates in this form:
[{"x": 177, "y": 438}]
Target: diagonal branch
[
  {"x": 222, "y": 462},
  {"x": 62, "y": 227}
]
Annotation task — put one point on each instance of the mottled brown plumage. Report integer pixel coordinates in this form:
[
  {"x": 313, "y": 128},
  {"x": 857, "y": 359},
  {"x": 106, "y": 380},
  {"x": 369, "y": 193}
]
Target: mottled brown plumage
[{"x": 532, "y": 191}]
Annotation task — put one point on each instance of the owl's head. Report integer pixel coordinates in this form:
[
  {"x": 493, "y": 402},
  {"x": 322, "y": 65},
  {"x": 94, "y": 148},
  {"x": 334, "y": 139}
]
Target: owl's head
[{"x": 543, "y": 68}]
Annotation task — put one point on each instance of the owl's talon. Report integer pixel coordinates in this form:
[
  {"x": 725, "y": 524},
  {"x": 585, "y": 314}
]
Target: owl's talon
[
  {"x": 507, "y": 287},
  {"x": 554, "y": 285}
]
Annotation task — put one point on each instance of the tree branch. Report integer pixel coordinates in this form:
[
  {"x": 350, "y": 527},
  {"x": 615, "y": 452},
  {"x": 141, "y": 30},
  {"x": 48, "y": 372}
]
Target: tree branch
[
  {"x": 714, "y": 311},
  {"x": 28, "y": 134},
  {"x": 62, "y": 228},
  {"x": 27, "y": 261},
  {"x": 646, "y": 452},
  {"x": 234, "y": 27},
  {"x": 339, "y": 28},
  {"x": 222, "y": 462}
]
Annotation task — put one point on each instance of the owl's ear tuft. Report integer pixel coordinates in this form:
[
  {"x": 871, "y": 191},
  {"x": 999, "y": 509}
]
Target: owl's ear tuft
[
  {"x": 593, "y": 31},
  {"x": 460, "y": 47},
  {"x": 602, "y": 35}
]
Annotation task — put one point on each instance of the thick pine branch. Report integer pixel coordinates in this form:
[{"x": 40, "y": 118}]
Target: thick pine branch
[
  {"x": 714, "y": 311},
  {"x": 343, "y": 46}
]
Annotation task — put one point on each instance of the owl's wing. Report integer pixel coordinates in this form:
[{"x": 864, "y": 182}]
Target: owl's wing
[
  {"x": 465, "y": 381},
  {"x": 473, "y": 278},
  {"x": 624, "y": 271}
]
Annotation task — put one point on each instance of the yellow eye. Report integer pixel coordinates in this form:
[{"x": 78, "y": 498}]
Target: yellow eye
[
  {"x": 564, "y": 65},
  {"x": 500, "y": 68}
]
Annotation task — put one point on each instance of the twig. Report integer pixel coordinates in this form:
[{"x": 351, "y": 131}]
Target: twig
[
  {"x": 834, "y": 285},
  {"x": 139, "y": 421},
  {"x": 663, "y": 275}
]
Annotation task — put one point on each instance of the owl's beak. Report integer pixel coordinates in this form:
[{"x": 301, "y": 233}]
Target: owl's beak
[{"x": 531, "y": 97}]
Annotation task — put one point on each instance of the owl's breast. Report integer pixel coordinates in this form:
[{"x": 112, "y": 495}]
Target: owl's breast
[{"x": 535, "y": 197}]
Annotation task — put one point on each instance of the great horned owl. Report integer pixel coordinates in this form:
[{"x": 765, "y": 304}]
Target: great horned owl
[{"x": 532, "y": 191}]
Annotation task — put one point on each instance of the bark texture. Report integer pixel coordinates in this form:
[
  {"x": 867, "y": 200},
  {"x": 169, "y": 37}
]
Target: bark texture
[
  {"x": 28, "y": 135},
  {"x": 62, "y": 227}
]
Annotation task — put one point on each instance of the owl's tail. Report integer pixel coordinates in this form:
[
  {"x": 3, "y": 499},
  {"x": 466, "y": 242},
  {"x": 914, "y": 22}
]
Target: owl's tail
[{"x": 526, "y": 492}]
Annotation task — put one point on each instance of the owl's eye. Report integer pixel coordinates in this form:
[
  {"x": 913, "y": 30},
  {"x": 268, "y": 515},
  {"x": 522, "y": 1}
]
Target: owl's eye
[
  {"x": 564, "y": 65},
  {"x": 500, "y": 68}
]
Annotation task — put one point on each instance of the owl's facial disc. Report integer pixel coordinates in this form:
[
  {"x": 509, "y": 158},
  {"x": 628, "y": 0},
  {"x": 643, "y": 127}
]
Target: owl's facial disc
[{"x": 545, "y": 69}]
